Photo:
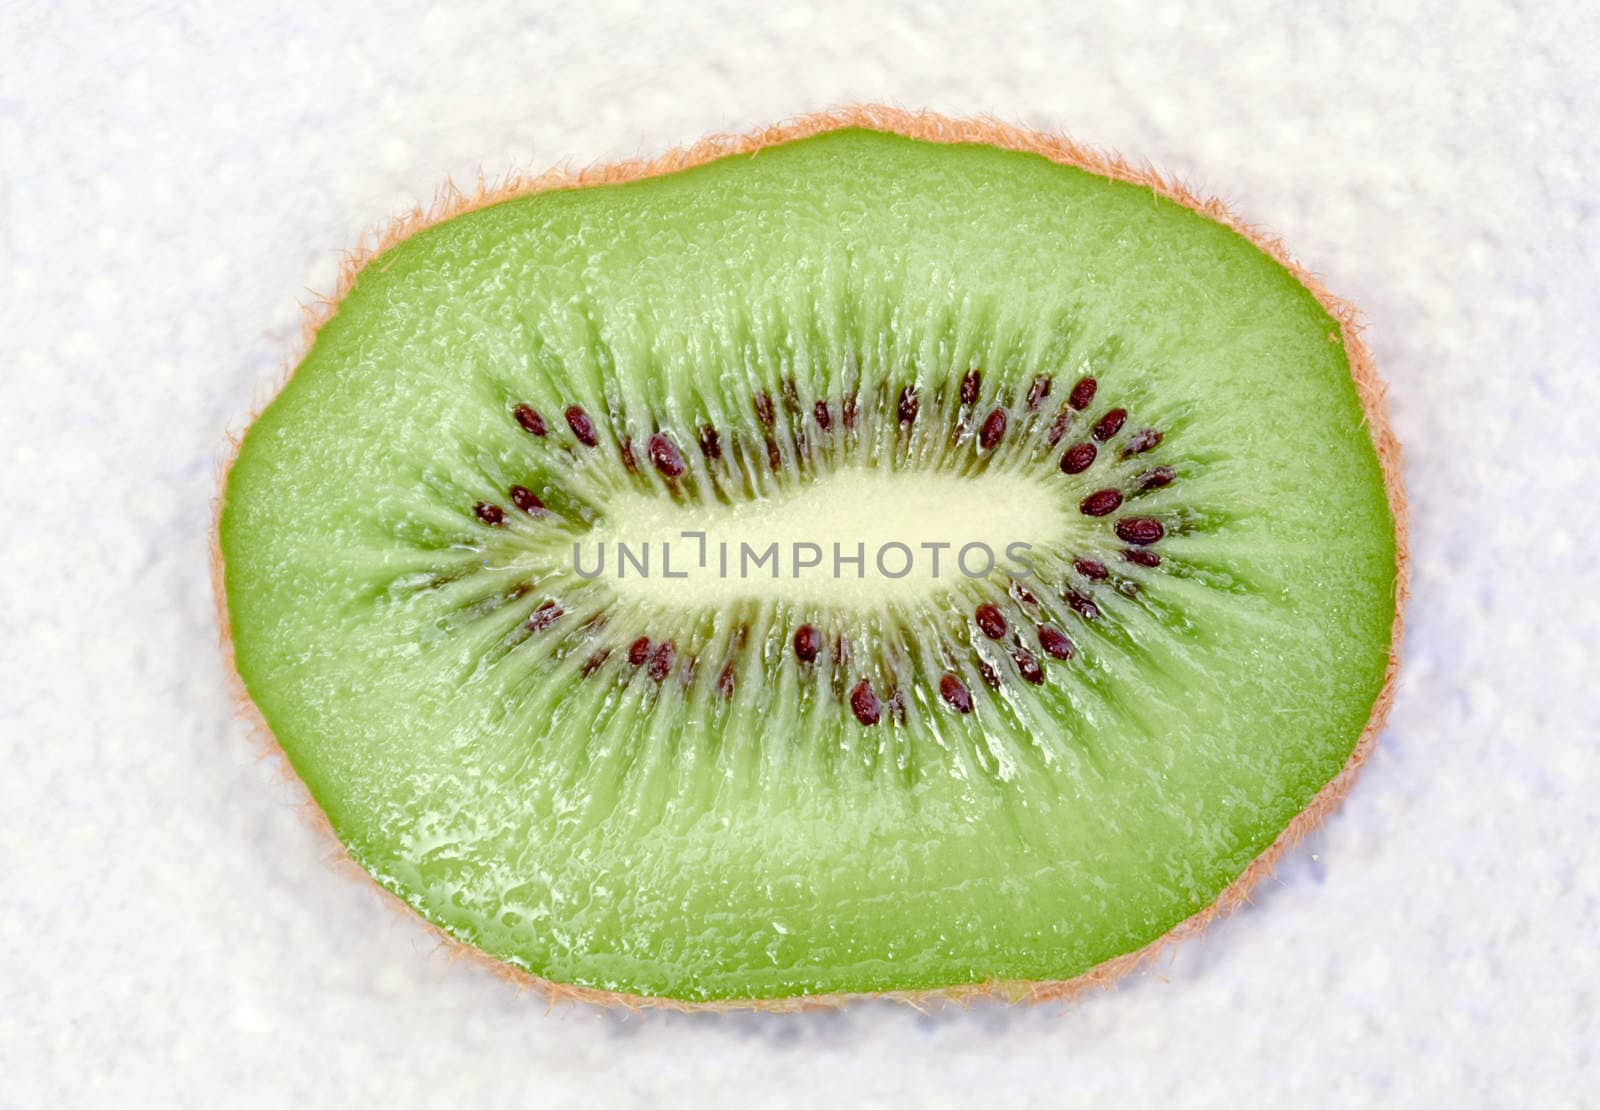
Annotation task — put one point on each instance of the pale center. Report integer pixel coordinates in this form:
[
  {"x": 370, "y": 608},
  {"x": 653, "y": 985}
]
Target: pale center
[{"x": 853, "y": 538}]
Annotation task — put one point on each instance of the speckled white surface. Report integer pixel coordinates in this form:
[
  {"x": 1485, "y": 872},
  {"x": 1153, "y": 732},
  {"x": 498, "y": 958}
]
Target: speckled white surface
[{"x": 173, "y": 180}]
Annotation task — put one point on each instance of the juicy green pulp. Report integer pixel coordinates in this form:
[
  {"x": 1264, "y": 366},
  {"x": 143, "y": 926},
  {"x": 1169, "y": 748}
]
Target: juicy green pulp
[{"x": 766, "y": 848}]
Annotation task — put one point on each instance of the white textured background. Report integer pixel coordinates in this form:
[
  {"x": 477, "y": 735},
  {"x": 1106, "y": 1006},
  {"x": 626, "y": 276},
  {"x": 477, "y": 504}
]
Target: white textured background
[{"x": 174, "y": 179}]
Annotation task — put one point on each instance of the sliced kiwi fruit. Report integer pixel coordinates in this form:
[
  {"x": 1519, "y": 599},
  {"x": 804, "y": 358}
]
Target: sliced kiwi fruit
[{"x": 1149, "y": 450}]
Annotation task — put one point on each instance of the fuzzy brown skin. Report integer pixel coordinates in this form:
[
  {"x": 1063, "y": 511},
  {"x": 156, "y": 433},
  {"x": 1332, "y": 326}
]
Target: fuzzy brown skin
[{"x": 451, "y": 202}]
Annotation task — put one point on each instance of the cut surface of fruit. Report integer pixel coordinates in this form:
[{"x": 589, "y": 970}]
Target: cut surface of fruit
[{"x": 871, "y": 565}]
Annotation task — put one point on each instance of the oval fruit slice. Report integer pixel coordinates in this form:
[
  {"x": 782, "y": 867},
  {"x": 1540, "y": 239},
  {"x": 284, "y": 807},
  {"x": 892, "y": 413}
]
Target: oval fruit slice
[{"x": 874, "y": 565}]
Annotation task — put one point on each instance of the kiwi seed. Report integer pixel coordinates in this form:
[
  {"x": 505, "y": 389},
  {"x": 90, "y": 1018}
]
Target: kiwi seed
[
  {"x": 583, "y": 428},
  {"x": 1078, "y": 458},
  {"x": 993, "y": 430},
  {"x": 1110, "y": 424}
]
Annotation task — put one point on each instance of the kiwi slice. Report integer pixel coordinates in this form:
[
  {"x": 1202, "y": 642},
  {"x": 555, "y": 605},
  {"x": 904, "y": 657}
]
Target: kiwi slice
[{"x": 585, "y": 567}]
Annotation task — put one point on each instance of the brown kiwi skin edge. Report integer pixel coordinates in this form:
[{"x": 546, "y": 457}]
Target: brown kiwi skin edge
[{"x": 931, "y": 127}]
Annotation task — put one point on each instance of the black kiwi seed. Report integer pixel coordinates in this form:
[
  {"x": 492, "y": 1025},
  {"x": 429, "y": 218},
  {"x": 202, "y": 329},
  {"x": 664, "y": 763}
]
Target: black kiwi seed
[
  {"x": 990, "y": 621},
  {"x": 1155, "y": 479},
  {"x": 710, "y": 442},
  {"x": 582, "y": 426},
  {"x": 1083, "y": 393},
  {"x": 664, "y": 454},
  {"x": 1089, "y": 568},
  {"x": 1024, "y": 595},
  {"x": 1101, "y": 503},
  {"x": 1110, "y": 424},
  {"x": 908, "y": 406},
  {"x": 993, "y": 430},
  {"x": 1055, "y": 642},
  {"x": 661, "y": 661},
  {"x": 1058, "y": 426},
  {"x": 864, "y": 703},
  {"x": 529, "y": 418},
  {"x": 639, "y": 651},
  {"x": 1038, "y": 391},
  {"x": 630, "y": 461},
  {"x": 1142, "y": 556},
  {"x": 1081, "y": 605},
  {"x": 971, "y": 381},
  {"x": 544, "y": 616},
  {"x": 1140, "y": 530},
  {"x": 764, "y": 410},
  {"x": 726, "y": 680},
  {"x": 1078, "y": 458},
  {"x": 896, "y": 706},
  {"x": 955, "y": 693},
  {"x": 526, "y": 500},
  {"x": 489, "y": 514},
  {"x": 807, "y": 642},
  {"x": 1141, "y": 441},
  {"x": 1027, "y": 666},
  {"x": 991, "y": 677},
  {"x": 824, "y": 417},
  {"x": 595, "y": 661}
]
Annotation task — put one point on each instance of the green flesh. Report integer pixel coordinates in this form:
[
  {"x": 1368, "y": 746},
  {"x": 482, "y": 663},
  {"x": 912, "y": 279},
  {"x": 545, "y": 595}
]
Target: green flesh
[{"x": 661, "y": 838}]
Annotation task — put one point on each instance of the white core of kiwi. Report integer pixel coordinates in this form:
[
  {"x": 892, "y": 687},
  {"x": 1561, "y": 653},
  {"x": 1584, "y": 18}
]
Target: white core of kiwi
[{"x": 900, "y": 523}]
